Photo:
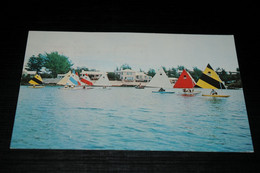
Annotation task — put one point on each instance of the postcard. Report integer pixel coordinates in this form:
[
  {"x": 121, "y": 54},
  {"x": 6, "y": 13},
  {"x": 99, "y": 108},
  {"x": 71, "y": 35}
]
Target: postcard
[{"x": 131, "y": 91}]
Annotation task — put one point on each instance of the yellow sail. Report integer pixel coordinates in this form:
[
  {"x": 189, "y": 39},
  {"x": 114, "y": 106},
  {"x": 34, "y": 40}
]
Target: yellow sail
[
  {"x": 36, "y": 80},
  {"x": 210, "y": 79}
]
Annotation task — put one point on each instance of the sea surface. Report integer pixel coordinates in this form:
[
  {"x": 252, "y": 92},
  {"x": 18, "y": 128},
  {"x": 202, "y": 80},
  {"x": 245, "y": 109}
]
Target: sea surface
[{"x": 125, "y": 118}]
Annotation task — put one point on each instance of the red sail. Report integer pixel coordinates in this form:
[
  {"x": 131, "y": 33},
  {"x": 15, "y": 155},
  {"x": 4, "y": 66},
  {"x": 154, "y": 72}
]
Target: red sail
[
  {"x": 86, "y": 80},
  {"x": 185, "y": 81}
]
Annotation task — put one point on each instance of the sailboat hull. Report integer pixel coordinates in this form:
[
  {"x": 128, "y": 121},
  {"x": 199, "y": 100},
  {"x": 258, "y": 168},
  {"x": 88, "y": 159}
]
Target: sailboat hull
[
  {"x": 190, "y": 93},
  {"x": 139, "y": 87},
  {"x": 215, "y": 95},
  {"x": 36, "y": 86},
  {"x": 163, "y": 92}
]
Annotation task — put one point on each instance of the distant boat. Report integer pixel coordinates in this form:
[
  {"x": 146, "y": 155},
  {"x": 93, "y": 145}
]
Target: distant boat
[
  {"x": 36, "y": 81},
  {"x": 187, "y": 83},
  {"x": 65, "y": 79},
  {"x": 70, "y": 81},
  {"x": 139, "y": 86},
  {"x": 86, "y": 80},
  {"x": 160, "y": 80},
  {"x": 210, "y": 80},
  {"x": 103, "y": 81}
]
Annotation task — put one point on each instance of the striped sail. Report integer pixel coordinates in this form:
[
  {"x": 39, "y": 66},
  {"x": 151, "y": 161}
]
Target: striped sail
[
  {"x": 64, "y": 80},
  {"x": 210, "y": 79},
  {"x": 36, "y": 80},
  {"x": 70, "y": 79},
  {"x": 86, "y": 80},
  {"x": 73, "y": 79}
]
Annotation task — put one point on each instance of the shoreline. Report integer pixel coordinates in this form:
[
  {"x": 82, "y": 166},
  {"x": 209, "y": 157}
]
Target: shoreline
[{"x": 129, "y": 85}]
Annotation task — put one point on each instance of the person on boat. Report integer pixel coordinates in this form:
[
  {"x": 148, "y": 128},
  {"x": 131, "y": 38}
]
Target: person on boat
[
  {"x": 161, "y": 90},
  {"x": 213, "y": 92},
  {"x": 84, "y": 87},
  {"x": 184, "y": 90},
  {"x": 138, "y": 86}
]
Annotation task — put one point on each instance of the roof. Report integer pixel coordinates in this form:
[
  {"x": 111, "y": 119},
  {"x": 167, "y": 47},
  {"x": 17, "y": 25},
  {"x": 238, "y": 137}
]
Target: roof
[
  {"x": 127, "y": 70},
  {"x": 29, "y": 72},
  {"x": 92, "y": 72}
]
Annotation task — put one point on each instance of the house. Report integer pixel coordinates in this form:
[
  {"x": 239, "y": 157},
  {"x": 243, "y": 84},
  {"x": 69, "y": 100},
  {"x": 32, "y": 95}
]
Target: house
[
  {"x": 60, "y": 76},
  {"x": 173, "y": 80},
  {"x": 142, "y": 77},
  {"x": 31, "y": 73},
  {"x": 129, "y": 75}
]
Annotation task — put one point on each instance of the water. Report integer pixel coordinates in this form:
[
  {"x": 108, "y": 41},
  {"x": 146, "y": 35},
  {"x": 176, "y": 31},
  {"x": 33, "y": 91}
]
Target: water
[{"x": 129, "y": 119}]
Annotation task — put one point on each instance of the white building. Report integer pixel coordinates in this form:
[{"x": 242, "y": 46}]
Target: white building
[
  {"x": 31, "y": 73},
  {"x": 129, "y": 75}
]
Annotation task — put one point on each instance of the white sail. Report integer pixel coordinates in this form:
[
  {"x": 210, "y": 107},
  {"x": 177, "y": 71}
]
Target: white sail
[
  {"x": 65, "y": 79},
  {"x": 70, "y": 79},
  {"x": 102, "y": 81},
  {"x": 160, "y": 80}
]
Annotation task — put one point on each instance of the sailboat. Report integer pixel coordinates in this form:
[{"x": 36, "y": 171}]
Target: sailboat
[
  {"x": 103, "y": 81},
  {"x": 86, "y": 80},
  {"x": 210, "y": 80},
  {"x": 160, "y": 80},
  {"x": 187, "y": 83},
  {"x": 36, "y": 81},
  {"x": 70, "y": 81}
]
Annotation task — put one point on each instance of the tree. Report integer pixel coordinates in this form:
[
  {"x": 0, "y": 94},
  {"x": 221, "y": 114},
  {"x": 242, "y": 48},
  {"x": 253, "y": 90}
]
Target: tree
[
  {"x": 196, "y": 74},
  {"x": 113, "y": 76},
  {"x": 57, "y": 63},
  {"x": 79, "y": 69},
  {"x": 125, "y": 66},
  {"x": 35, "y": 63},
  {"x": 180, "y": 67},
  {"x": 222, "y": 74},
  {"x": 172, "y": 72},
  {"x": 151, "y": 72},
  {"x": 165, "y": 70}
]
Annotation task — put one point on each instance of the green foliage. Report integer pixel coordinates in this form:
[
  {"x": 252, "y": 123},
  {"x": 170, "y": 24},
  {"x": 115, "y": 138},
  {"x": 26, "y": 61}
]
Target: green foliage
[
  {"x": 79, "y": 69},
  {"x": 25, "y": 79},
  {"x": 113, "y": 76},
  {"x": 223, "y": 74},
  {"x": 57, "y": 64},
  {"x": 125, "y": 66},
  {"x": 151, "y": 72},
  {"x": 180, "y": 67},
  {"x": 172, "y": 72},
  {"x": 196, "y": 73},
  {"x": 35, "y": 63}
]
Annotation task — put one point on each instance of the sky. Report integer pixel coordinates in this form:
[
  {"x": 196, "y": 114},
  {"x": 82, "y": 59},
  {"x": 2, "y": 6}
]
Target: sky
[{"x": 105, "y": 51}]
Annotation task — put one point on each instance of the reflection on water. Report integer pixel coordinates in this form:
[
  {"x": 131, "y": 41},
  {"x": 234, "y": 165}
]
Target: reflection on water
[{"x": 130, "y": 119}]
